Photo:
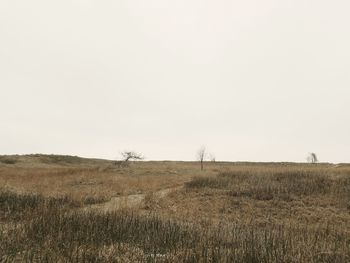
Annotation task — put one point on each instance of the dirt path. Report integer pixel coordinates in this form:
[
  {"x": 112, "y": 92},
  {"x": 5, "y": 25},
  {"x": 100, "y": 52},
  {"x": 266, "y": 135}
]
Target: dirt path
[{"x": 128, "y": 201}]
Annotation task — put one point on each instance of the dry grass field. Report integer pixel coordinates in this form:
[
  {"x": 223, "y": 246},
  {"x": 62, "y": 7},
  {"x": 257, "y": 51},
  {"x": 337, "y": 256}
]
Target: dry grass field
[{"x": 70, "y": 209}]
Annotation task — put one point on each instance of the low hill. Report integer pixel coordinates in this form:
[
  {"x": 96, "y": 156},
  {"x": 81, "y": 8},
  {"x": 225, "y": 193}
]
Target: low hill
[{"x": 49, "y": 160}]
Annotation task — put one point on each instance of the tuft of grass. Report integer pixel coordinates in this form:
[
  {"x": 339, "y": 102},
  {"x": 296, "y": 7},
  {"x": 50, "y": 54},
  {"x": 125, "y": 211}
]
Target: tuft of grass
[{"x": 92, "y": 200}]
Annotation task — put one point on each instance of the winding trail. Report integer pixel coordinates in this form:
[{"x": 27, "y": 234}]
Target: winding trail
[{"x": 129, "y": 201}]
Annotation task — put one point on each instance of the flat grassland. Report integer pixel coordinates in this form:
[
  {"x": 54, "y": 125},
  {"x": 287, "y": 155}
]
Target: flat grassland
[{"x": 70, "y": 209}]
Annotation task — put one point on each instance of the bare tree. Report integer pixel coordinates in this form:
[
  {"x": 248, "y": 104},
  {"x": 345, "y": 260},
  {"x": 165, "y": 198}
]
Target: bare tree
[
  {"x": 312, "y": 158},
  {"x": 201, "y": 155},
  {"x": 128, "y": 156},
  {"x": 131, "y": 155}
]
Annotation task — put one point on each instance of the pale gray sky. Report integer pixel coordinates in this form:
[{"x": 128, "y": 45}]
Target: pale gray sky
[{"x": 252, "y": 80}]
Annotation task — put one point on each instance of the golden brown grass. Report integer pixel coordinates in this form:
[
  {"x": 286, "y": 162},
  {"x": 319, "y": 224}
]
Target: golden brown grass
[
  {"x": 100, "y": 180},
  {"x": 313, "y": 196},
  {"x": 230, "y": 212}
]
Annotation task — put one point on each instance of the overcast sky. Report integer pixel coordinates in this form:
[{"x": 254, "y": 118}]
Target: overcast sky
[{"x": 252, "y": 80}]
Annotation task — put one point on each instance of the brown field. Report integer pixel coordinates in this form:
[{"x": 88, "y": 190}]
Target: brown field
[{"x": 70, "y": 209}]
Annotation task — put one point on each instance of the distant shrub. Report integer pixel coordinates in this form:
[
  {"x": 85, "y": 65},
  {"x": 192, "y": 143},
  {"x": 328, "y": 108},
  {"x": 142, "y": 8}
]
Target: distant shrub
[{"x": 7, "y": 160}]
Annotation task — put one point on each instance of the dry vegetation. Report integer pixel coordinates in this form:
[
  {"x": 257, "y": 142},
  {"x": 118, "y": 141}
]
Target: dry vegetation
[{"x": 230, "y": 212}]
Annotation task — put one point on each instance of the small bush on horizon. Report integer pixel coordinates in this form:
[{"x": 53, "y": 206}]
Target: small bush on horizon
[{"x": 7, "y": 160}]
